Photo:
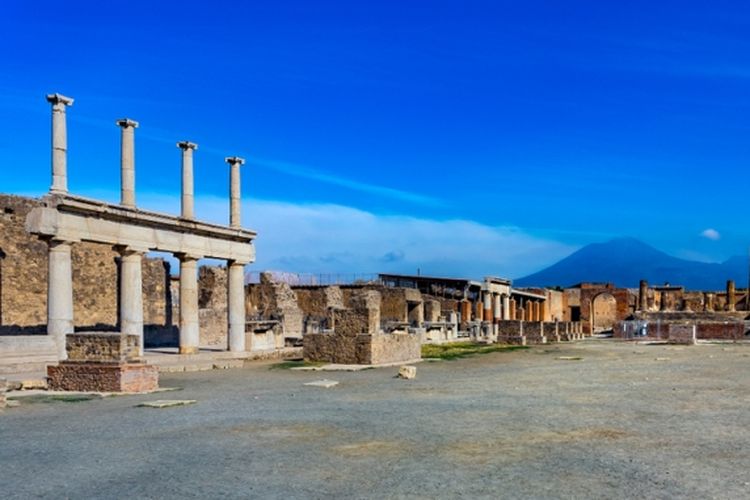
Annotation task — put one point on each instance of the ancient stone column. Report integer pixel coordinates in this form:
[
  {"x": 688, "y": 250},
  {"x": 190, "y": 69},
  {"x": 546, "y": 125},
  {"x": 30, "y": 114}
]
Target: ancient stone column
[
  {"x": 643, "y": 295},
  {"x": 236, "y": 306},
  {"x": 513, "y": 311},
  {"x": 731, "y": 298},
  {"x": 487, "y": 302},
  {"x": 708, "y": 301},
  {"x": 189, "y": 323},
  {"x": 234, "y": 190},
  {"x": 127, "y": 161},
  {"x": 506, "y": 307},
  {"x": 188, "y": 200},
  {"x": 131, "y": 294},
  {"x": 59, "y": 294},
  {"x": 497, "y": 308},
  {"x": 59, "y": 143}
]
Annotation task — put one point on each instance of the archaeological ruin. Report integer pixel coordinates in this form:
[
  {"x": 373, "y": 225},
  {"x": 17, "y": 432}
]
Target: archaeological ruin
[{"x": 81, "y": 292}]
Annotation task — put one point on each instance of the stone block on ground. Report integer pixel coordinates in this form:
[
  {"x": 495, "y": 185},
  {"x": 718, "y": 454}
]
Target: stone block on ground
[
  {"x": 407, "y": 372},
  {"x": 102, "y": 377},
  {"x": 166, "y": 403},
  {"x": 325, "y": 383}
]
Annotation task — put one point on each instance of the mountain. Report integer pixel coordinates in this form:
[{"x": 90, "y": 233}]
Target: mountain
[{"x": 626, "y": 261}]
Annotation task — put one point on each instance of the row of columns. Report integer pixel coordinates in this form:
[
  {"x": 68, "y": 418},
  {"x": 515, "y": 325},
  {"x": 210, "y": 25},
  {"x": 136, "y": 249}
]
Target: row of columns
[
  {"x": 496, "y": 307},
  {"x": 60, "y": 321}
]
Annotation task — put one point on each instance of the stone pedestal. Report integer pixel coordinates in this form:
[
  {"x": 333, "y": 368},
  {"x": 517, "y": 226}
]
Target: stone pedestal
[{"x": 102, "y": 362}]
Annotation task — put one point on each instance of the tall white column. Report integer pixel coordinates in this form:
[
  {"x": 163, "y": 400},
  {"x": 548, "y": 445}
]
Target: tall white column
[
  {"x": 236, "y": 306},
  {"x": 497, "y": 312},
  {"x": 131, "y": 295},
  {"x": 59, "y": 294},
  {"x": 188, "y": 198},
  {"x": 189, "y": 323},
  {"x": 234, "y": 190},
  {"x": 487, "y": 306},
  {"x": 127, "y": 161},
  {"x": 506, "y": 307},
  {"x": 59, "y": 143}
]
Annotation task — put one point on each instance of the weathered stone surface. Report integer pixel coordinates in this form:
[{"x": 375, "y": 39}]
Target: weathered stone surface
[
  {"x": 3, "y": 390},
  {"x": 407, "y": 372},
  {"x": 101, "y": 347},
  {"x": 212, "y": 305},
  {"x": 23, "y": 279},
  {"x": 99, "y": 377}
]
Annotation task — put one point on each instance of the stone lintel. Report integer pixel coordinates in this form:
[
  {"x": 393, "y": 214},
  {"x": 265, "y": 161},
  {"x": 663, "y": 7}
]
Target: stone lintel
[
  {"x": 72, "y": 218},
  {"x": 127, "y": 122},
  {"x": 59, "y": 99}
]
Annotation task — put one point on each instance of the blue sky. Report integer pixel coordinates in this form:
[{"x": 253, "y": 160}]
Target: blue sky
[{"x": 458, "y": 137}]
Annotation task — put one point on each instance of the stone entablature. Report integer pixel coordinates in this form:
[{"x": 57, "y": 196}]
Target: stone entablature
[{"x": 74, "y": 218}]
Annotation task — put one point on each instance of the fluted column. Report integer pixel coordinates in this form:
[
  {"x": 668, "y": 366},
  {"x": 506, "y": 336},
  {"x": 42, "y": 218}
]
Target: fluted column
[
  {"x": 234, "y": 191},
  {"x": 131, "y": 294},
  {"x": 59, "y": 294},
  {"x": 189, "y": 321},
  {"x": 188, "y": 197},
  {"x": 236, "y": 306},
  {"x": 59, "y": 143},
  {"x": 127, "y": 161}
]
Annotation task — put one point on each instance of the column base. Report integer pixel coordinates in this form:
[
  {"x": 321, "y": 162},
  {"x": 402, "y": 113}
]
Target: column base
[{"x": 189, "y": 350}]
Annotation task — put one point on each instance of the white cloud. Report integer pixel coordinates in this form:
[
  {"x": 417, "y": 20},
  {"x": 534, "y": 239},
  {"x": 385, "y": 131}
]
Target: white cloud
[
  {"x": 711, "y": 234},
  {"x": 327, "y": 238}
]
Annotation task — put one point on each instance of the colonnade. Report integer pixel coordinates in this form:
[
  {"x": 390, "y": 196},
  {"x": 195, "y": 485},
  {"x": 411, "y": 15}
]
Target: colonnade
[{"x": 60, "y": 321}]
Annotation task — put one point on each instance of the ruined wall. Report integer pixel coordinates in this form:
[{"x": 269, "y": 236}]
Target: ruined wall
[
  {"x": 588, "y": 292},
  {"x": 272, "y": 300},
  {"x": 23, "y": 279},
  {"x": 212, "y": 305},
  {"x": 23, "y": 269}
]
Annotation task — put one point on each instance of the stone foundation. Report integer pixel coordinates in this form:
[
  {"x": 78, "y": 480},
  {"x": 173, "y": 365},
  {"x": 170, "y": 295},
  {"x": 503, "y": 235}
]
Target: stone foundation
[
  {"x": 103, "y": 377},
  {"x": 102, "y": 362}
]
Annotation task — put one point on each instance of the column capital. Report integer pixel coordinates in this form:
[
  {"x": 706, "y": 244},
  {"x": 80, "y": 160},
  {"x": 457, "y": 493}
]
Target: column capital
[
  {"x": 127, "y": 122},
  {"x": 59, "y": 99},
  {"x": 124, "y": 250},
  {"x": 186, "y": 257},
  {"x": 187, "y": 145},
  {"x": 234, "y": 160}
]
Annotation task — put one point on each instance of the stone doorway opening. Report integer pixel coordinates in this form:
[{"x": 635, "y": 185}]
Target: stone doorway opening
[{"x": 604, "y": 312}]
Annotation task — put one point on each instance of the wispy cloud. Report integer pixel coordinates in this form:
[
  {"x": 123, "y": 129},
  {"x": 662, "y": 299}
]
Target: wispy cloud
[{"x": 711, "y": 234}]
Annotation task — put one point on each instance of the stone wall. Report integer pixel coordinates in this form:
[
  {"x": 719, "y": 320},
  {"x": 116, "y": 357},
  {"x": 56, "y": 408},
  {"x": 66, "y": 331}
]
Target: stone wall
[
  {"x": 272, "y": 300},
  {"x": 23, "y": 279},
  {"x": 212, "y": 305}
]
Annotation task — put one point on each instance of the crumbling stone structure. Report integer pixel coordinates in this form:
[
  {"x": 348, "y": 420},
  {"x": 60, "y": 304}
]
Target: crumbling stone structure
[
  {"x": 356, "y": 336},
  {"x": 102, "y": 362},
  {"x": 110, "y": 242}
]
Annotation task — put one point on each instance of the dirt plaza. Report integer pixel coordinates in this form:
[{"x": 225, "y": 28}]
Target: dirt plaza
[{"x": 593, "y": 419}]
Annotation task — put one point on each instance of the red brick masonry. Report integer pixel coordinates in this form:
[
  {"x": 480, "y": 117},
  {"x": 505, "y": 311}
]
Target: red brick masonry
[{"x": 103, "y": 377}]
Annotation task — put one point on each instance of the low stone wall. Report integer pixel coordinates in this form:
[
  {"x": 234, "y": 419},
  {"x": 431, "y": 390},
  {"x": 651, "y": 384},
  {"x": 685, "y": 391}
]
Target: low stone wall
[
  {"x": 391, "y": 348},
  {"x": 533, "y": 330},
  {"x": 663, "y": 330},
  {"x": 365, "y": 349},
  {"x": 332, "y": 348},
  {"x": 3, "y": 390},
  {"x": 511, "y": 332}
]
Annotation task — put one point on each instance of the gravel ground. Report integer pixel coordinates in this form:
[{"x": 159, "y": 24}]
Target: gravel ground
[{"x": 625, "y": 420}]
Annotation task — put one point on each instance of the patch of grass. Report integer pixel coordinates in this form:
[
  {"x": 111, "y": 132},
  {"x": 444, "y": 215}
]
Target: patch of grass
[
  {"x": 458, "y": 350},
  {"x": 294, "y": 363}
]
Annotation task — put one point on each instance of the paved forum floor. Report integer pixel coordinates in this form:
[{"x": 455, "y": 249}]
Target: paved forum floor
[{"x": 623, "y": 421}]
